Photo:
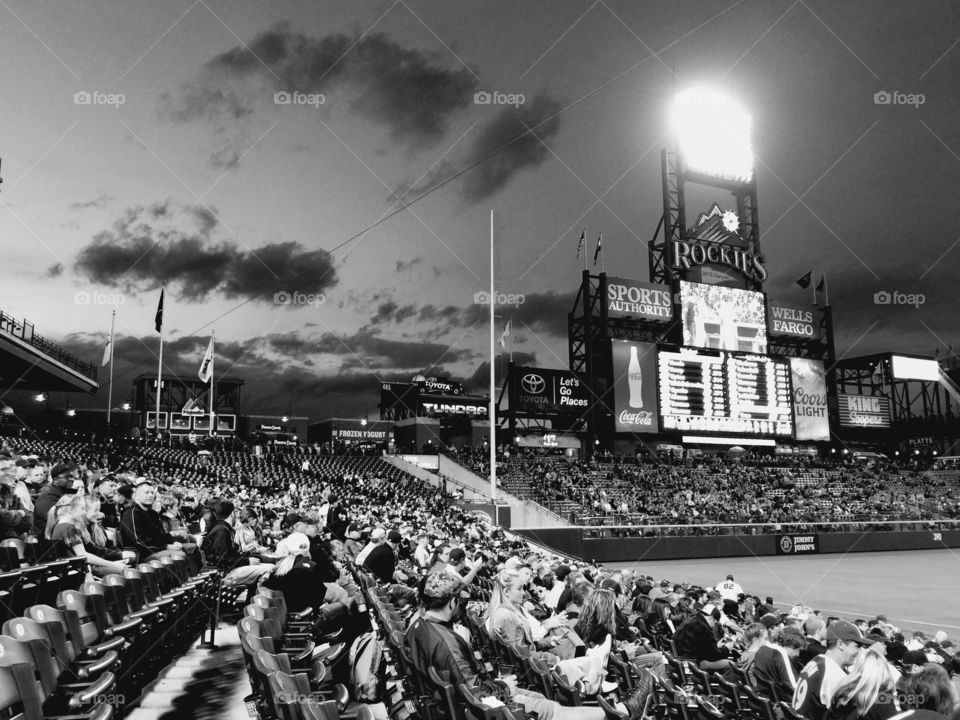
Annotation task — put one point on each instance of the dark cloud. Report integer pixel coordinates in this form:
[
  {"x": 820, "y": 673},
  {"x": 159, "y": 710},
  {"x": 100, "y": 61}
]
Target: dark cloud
[
  {"x": 409, "y": 91},
  {"x": 55, "y": 270},
  {"x": 147, "y": 245},
  {"x": 540, "y": 313},
  {"x": 391, "y": 312},
  {"x": 479, "y": 382},
  {"x": 403, "y": 266},
  {"x": 100, "y": 201},
  {"x": 516, "y": 130}
]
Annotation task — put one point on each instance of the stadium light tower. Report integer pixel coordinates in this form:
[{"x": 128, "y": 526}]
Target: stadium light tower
[{"x": 713, "y": 134}]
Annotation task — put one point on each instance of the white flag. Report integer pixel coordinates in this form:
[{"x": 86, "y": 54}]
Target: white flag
[
  {"x": 106, "y": 351},
  {"x": 206, "y": 367},
  {"x": 505, "y": 334}
]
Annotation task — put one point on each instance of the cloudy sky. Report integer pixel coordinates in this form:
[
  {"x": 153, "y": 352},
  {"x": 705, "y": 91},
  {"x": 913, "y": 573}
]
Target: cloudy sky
[{"x": 187, "y": 166}]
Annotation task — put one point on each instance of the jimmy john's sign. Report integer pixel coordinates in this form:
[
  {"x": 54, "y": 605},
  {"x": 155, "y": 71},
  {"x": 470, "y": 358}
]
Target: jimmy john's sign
[
  {"x": 690, "y": 254},
  {"x": 636, "y": 299}
]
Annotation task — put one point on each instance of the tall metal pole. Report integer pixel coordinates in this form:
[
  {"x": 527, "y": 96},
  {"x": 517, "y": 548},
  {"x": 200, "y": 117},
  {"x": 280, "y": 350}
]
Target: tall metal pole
[
  {"x": 113, "y": 318},
  {"x": 213, "y": 353},
  {"x": 493, "y": 406},
  {"x": 160, "y": 366}
]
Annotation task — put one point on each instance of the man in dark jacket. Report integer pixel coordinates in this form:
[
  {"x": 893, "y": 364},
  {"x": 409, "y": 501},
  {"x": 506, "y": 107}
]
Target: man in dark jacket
[
  {"x": 141, "y": 529},
  {"x": 695, "y": 639},
  {"x": 222, "y": 550},
  {"x": 63, "y": 478}
]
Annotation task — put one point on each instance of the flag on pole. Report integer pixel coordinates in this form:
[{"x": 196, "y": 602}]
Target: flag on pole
[
  {"x": 206, "y": 366},
  {"x": 583, "y": 235},
  {"x": 505, "y": 334},
  {"x": 158, "y": 319},
  {"x": 106, "y": 350},
  {"x": 596, "y": 253},
  {"x": 822, "y": 284},
  {"x": 804, "y": 282}
]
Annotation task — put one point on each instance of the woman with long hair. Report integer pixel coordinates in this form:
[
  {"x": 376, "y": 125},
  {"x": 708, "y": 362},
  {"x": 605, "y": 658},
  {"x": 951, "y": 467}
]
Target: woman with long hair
[
  {"x": 551, "y": 641},
  {"x": 658, "y": 621},
  {"x": 66, "y": 524},
  {"x": 295, "y": 576},
  {"x": 598, "y": 619},
  {"x": 754, "y": 637},
  {"x": 868, "y": 692},
  {"x": 248, "y": 535}
]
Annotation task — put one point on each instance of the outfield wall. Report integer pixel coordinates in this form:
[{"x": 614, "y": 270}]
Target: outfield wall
[{"x": 577, "y": 542}]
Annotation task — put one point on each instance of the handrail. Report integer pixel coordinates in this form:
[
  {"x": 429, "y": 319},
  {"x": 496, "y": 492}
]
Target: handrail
[
  {"x": 775, "y": 525},
  {"x": 23, "y": 330},
  {"x": 503, "y": 494}
]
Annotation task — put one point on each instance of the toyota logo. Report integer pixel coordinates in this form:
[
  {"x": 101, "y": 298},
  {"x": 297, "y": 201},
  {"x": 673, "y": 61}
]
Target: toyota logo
[{"x": 532, "y": 384}]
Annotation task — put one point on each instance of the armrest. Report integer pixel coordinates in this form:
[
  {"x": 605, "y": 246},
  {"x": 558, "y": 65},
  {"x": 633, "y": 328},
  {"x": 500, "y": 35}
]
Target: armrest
[
  {"x": 129, "y": 626},
  {"x": 329, "y": 654},
  {"x": 101, "y": 687},
  {"x": 96, "y": 667},
  {"x": 97, "y": 650},
  {"x": 99, "y": 712},
  {"x": 302, "y": 615},
  {"x": 303, "y": 656}
]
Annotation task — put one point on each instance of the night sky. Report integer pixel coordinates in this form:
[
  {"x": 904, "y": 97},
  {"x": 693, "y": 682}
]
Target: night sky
[{"x": 187, "y": 166}]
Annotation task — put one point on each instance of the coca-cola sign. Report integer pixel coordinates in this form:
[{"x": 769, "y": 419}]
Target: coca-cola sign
[{"x": 635, "y": 386}]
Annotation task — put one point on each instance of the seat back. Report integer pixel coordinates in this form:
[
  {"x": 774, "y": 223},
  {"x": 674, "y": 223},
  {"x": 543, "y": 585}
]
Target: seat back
[
  {"x": 54, "y": 624},
  {"x": 87, "y": 619},
  {"x": 444, "y": 690}
]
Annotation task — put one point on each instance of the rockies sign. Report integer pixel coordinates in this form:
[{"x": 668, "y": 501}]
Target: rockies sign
[{"x": 551, "y": 392}]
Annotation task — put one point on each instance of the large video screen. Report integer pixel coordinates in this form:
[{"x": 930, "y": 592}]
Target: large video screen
[
  {"x": 723, "y": 318},
  {"x": 716, "y": 391}
]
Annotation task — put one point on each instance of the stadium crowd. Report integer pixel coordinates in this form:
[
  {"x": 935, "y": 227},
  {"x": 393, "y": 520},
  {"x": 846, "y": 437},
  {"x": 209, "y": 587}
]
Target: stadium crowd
[{"x": 472, "y": 607}]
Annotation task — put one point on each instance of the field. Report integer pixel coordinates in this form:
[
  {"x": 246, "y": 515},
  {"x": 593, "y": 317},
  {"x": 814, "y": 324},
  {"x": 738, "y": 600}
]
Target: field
[{"x": 916, "y": 590}]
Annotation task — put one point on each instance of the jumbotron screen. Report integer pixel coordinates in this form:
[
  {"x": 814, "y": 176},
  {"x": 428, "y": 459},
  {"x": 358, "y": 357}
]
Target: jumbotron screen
[
  {"x": 723, "y": 318},
  {"x": 721, "y": 392}
]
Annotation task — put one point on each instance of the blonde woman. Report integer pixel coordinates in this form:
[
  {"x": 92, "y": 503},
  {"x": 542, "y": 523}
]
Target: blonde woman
[
  {"x": 295, "y": 575},
  {"x": 551, "y": 641},
  {"x": 66, "y": 523},
  {"x": 869, "y": 691}
]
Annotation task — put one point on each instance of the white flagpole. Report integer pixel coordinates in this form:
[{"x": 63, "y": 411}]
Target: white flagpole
[
  {"x": 113, "y": 318},
  {"x": 213, "y": 354},
  {"x": 492, "y": 408},
  {"x": 160, "y": 367},
  {"x": 826, "y": 290}
]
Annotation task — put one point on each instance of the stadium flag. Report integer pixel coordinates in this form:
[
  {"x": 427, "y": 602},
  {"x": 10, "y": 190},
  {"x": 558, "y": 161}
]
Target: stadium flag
[
  {"x": 158, "y": 319},
  {"x": 583, "y": 235},
  {"x": 506, "y": 333},
  {"x": 599, "y": 251},
  {"x": 804, "y": 282},
  {"x": 106, "y": 350},
  {"x": 206, "y": 365}
]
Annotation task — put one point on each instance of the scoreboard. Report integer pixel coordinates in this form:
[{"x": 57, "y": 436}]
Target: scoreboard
[{"x": 723, "y": 392}]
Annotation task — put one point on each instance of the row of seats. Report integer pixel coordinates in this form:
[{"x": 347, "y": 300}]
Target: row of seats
[{"x": 90, "y": 650}]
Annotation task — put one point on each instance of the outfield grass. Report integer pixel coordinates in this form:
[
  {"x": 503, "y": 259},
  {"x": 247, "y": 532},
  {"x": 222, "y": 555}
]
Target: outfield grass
[{"x": 915, "y": 589}]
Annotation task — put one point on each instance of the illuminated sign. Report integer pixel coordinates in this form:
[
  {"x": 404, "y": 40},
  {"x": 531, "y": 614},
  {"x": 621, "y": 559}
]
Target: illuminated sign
[
  {"x": 792, "y": 321},
  {"x": 864, "y": 411},
  {"x": 684, "y": 255},
  {"x": 635, "y": 386},
  {"x": 809, "y": 399},
  {"x": 703, "y": 391},
  {"x": 636, "y": 299},
  {"x": 454, "y": 407},
  {"x": 540, "y": 390},
  {"x": 908, "y": 368},
  {"x": 723, "y": 318}
]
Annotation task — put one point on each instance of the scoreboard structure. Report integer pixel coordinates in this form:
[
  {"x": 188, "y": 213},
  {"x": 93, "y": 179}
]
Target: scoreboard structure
[{"x": 722, "y": 392}]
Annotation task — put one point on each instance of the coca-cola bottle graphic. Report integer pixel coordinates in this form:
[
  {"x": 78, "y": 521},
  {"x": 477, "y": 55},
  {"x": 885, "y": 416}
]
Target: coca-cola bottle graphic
[{"x": 635, "y": 379}]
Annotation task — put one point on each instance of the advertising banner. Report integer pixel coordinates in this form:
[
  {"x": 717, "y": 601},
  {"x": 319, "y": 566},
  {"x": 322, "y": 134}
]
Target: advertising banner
[
  {"x": 635, "y": 386},
  {"x": 636, "y": 299},
  {"x": 537, "y": 390},
  {"x": 440, "y": 405},
  {"x": 810, "y": 418},
  {"x": 792, "y": 321},
  {"x": 864, "y": 411},
  {"x": 797, "y": 544}
]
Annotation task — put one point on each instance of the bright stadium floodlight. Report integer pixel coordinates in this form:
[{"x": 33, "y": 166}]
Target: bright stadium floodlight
[{"x": 713, "y": 134}]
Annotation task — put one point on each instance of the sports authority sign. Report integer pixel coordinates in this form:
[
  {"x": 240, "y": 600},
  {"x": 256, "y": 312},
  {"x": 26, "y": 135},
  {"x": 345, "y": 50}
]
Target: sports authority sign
[
  {"x": 635, "y": 405},
  {"x": 538, "y": 390},
  {"x": 792, "y": 321},
  {"x": 797, "y": 544},
  {"x": 636, "y": 299},
  {"x": 864, "y": 411}
]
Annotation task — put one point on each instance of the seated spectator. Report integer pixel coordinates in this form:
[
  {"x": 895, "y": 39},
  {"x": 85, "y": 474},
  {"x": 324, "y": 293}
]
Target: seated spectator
[
  {"x": 170, "y": 518},
  {"x": 65, "y": 524},
  {"x": 755, "y": 637},
  {"x": 551, "y": 641},
  {"x": 294, "y": 574},
  {"x": 598, "y": 619},
  {"x": 64, "y": 480},
  {"x": 457, "y": 567},
  {"x": 248, "y": 538},
  {"x": 821, "y": 677},
  {"x": 220, "y": 550},
  {"x": 141, "y": 528},
  {"x": 695, "y": 639},
  {"x": 931, "y": 691},
  {"x": 869, "y": 691},
  {"x": 435, "y": 641},
  {"x": 773, "y": 663}
]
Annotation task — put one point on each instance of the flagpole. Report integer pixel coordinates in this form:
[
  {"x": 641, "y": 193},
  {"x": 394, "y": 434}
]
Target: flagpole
[
  {"x": 113, "y": 318},
  {"x": 826, "y": 290},
  {"x": 814, "y": 286},
  {"x": 492, "y": 409},
  {"x": 160, "y": 365},
  {"x": 212, "y": 355}
]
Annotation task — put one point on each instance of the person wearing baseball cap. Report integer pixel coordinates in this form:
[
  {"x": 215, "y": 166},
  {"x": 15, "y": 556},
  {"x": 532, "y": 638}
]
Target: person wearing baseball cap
[
  {"x": 382, "y": 562},
  {"x": 821, "y": 676}
]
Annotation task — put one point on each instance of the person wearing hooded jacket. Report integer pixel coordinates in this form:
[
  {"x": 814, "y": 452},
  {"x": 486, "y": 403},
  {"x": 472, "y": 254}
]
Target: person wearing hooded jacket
[{"x": 221, "y": 550}]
